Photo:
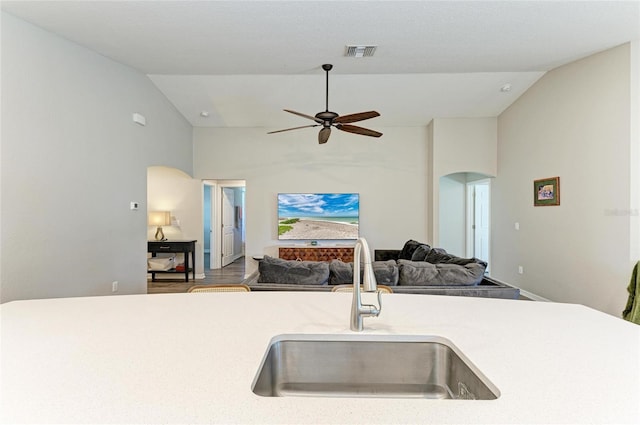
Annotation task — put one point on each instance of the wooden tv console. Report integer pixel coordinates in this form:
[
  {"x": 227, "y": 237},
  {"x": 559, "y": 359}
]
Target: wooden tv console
[{"x": 317, "y": 253}]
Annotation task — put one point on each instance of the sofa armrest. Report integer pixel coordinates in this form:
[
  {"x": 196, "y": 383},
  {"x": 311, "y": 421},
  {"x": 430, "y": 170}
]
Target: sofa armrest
[{"x": 385, "y": 254}]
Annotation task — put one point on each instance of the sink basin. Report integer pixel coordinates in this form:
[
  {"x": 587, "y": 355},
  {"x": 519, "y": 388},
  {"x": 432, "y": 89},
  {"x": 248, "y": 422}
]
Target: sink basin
[{"x": 369, "y": 366}]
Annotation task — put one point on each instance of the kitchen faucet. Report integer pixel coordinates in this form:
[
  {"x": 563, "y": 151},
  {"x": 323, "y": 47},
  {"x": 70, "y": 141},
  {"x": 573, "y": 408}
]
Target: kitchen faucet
[{"x": 358, "y": 310}]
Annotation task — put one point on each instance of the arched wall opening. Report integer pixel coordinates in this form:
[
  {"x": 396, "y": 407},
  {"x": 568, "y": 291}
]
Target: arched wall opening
[
  {"x": 173, "y": 190},
  {"x": 464, "y": 214}
]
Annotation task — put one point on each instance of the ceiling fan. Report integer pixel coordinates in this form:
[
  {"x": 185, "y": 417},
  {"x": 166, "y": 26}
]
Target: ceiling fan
[{"x": 328, "y": 119}]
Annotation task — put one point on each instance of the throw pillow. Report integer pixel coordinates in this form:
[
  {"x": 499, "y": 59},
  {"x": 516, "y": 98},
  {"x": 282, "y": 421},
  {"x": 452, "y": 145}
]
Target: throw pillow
[
  {"x": 421, "y": 252},
  {"x": 440, "y": 256},
  {"x": 408, "y": 249}
]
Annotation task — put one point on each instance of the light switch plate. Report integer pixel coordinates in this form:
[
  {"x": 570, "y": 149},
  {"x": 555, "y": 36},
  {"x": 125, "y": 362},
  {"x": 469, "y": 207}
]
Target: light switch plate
[{"x": 139, "y": 119}]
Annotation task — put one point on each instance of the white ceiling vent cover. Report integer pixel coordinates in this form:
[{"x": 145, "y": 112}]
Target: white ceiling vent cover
[{"x": 360, "y": 51}]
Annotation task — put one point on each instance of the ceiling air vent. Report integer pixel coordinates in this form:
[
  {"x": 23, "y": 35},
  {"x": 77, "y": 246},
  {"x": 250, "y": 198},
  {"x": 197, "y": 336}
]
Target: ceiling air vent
[{"x": 360, "y": 51}]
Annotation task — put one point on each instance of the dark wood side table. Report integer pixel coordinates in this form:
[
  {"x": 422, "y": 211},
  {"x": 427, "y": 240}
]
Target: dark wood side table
[{"x": 185, "y": 247}]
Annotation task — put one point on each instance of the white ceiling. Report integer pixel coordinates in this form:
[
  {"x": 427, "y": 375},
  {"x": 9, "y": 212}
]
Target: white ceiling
[{"x": 244, "y": 61}]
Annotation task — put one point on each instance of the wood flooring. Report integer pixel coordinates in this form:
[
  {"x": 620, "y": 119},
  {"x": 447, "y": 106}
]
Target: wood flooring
[{"x": 233, "y": 273}]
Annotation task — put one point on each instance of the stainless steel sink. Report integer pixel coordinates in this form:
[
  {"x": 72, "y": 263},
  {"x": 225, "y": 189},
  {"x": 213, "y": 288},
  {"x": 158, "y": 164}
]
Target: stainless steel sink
[{"x": 369, "y": 366}]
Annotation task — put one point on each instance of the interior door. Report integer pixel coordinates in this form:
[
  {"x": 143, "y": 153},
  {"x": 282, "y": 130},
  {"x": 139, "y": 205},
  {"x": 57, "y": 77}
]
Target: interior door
[
  {"x": 228, "y": 218},
  {"x": 481, "y": 222}
]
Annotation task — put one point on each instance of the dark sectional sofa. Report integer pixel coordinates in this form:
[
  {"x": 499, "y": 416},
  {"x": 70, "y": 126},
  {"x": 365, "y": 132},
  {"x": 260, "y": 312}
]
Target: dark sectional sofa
[{"x": 415, "y": 269}]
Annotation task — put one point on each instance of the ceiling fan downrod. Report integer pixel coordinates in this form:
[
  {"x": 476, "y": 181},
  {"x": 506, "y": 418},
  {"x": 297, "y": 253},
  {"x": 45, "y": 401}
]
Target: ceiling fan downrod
[
  {"x": 327, "y": 67},
  {"x": 327, "y": 116}
]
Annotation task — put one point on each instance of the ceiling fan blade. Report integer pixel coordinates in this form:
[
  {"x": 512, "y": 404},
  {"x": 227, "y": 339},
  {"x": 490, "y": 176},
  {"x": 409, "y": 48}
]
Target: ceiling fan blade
[
  {"x": 324, "y": 134},
  {"x": 361, "y": 116},
  {"x": 358, "y": 130},
  {"x": 300, "y": 114},
  {"x": 293, "y": 128}
]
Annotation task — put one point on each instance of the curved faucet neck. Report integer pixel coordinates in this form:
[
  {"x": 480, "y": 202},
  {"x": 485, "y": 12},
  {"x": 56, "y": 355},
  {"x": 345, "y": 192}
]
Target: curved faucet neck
[{"x": 358, "y": 310}]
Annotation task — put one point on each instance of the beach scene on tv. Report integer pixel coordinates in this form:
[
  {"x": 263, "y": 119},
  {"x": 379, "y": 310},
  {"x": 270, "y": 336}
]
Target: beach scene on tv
[{"x": 318, "y": 216}]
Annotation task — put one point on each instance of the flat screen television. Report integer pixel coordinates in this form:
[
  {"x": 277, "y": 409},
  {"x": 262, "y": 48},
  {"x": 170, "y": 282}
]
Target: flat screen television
[{"x": 318, "y": 216}]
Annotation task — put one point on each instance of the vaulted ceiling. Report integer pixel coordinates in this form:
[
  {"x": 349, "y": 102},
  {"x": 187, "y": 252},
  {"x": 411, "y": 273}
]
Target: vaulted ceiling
[{"x": 244, "y": 61}]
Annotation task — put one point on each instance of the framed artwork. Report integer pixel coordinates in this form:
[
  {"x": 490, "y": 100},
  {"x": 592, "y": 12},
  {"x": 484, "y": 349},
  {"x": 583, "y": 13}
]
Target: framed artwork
[{"x": 546, "y": 192}]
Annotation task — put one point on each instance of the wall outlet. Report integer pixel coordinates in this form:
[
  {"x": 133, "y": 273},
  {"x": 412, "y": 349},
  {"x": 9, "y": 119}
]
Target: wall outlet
[
  {"x": 114, "y": 286},
  {"x": 520, "y": 270}
]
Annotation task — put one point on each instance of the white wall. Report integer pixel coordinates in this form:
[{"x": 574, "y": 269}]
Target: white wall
[
  {"x": 389, "y": 173},
  {"x": 458, "y": 145},
  {"x": 169, "y": 189},
  {"x": 634, "y": 152},
  {"x": 453, "y": 212},
  {"x": 72, "y": 160},
  {"x": 573, "y": 123}
]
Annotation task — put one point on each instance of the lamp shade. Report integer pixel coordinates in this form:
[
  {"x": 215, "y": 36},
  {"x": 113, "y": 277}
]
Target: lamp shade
[{"x": 159, "y": 218}]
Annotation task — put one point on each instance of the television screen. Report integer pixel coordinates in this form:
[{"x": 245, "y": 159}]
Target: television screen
[{"x": 318, "y": 216}]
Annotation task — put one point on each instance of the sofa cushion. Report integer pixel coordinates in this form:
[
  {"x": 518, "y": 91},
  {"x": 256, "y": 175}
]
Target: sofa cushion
[
  {"x": 340, "y": 272},
  {"x": 415, "y": 273},
  {"x": 422, "y": 273},
  {"x": 277, "y": 270},
  {"x": 386, "y": 272},
  {"x": 408, "y": 249}
]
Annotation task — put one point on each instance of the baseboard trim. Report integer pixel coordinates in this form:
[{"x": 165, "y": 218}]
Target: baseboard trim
[
  {"x": 524, "y": 293},
  {"x": 533, "y": 296},
  {"x": 161, "y": 277}
]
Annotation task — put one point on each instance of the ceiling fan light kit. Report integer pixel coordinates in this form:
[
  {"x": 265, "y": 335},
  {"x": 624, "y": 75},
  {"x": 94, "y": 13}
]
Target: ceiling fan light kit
[{"x": 328, "y": 119}]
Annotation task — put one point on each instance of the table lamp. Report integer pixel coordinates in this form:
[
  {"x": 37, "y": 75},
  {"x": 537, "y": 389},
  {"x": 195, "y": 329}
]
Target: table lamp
[{"x": 159, "y": 218}]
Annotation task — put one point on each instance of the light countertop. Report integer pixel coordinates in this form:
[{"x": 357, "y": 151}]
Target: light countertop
[{"x": 191, "y": 358}]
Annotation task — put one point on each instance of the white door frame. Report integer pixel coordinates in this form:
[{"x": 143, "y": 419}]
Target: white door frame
[
  {"x": 216, "y": 217},
  {"x": 213, "y": 231},
  {"x": 471, "y": 214}
]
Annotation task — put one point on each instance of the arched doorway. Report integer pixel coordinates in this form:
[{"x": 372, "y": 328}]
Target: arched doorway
[{"x": 464, "y": 214}]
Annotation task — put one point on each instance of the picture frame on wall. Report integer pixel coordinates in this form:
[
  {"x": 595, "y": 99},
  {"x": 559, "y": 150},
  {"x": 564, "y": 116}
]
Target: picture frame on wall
[{"x": 546, "y": 192}]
